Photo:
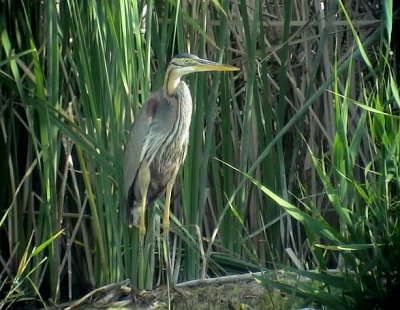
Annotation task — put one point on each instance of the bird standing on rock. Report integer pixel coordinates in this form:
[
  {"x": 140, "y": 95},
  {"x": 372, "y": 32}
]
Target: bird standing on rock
[{"x": 158, "y": 141}]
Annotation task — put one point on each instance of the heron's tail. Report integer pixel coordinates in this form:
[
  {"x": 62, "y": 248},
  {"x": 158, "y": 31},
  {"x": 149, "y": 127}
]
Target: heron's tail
[
  {"x": 133, "y": 215},
  {"x": 132, "y": 211}
]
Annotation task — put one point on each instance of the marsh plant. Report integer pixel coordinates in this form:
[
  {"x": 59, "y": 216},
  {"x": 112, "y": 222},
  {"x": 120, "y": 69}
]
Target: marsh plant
[{"x": 292, "y": 162}]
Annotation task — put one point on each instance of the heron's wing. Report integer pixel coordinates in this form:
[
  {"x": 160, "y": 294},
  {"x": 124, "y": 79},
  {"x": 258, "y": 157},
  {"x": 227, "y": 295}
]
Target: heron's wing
[{"x": 136, "y": 140}]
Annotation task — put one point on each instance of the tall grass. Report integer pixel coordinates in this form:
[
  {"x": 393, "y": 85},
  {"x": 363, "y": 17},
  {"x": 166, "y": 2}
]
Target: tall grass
[
  {"x": 359, "y": 182},
  {"x": 77, "y": 87},
  {"x": 74, "y": 74}
]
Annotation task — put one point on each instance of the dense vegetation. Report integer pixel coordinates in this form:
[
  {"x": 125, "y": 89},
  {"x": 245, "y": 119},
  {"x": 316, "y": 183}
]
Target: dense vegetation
[{"x": 292, "y": 163}]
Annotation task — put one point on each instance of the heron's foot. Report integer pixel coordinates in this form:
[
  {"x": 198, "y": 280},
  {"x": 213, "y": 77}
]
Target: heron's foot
[{"x": 138, "y": 297}]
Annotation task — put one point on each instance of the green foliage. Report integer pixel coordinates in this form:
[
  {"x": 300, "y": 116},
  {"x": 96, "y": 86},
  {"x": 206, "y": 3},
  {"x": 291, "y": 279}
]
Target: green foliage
[
  {"x": 74, "y": 74},
  {"x": 360, "y": 185}
]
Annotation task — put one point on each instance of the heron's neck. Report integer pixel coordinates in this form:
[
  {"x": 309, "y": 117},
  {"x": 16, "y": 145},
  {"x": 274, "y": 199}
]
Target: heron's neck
[
  {"x": 171, "y": 82},
  {"x": 178, "y": 97}
]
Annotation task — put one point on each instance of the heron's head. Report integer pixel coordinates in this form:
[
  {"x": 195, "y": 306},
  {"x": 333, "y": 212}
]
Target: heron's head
[
  {"x": 183, "y": 64},
  {"x": 187, "y": 63}
]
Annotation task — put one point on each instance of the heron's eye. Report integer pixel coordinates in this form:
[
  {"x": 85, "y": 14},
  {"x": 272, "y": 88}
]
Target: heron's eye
[{"x": 186, "y": 61}]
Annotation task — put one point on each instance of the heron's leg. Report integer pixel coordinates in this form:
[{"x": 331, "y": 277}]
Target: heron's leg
[
  {"x": 142, "y": 225},
  {"x": 165, "y": 223},
  {"x": 165, "y": 226},
  {"x": 144, "y": 179}
]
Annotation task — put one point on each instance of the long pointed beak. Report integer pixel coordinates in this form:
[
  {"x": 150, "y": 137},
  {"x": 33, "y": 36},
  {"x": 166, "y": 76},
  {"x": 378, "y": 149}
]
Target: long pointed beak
[{"x": 207, "y": 65}]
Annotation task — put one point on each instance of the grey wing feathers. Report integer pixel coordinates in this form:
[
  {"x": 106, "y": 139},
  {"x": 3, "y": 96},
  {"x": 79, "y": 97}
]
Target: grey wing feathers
[{"x": 134, "y": 146}]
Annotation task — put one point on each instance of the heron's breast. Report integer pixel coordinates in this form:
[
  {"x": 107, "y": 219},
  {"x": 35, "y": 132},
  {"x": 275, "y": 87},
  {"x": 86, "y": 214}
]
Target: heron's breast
[
  {"x": 172, "y": 155},
  {"x": 165, "y": 165}
]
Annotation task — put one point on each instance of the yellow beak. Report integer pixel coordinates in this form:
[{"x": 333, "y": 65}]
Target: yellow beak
[{"x": 207, "y": 65}]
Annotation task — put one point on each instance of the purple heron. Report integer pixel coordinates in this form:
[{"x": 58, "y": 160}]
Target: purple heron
[{"x": 157, "y": 143}]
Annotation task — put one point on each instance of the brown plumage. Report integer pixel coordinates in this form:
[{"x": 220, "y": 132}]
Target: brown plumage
[{"x": 157, "y": 143}]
